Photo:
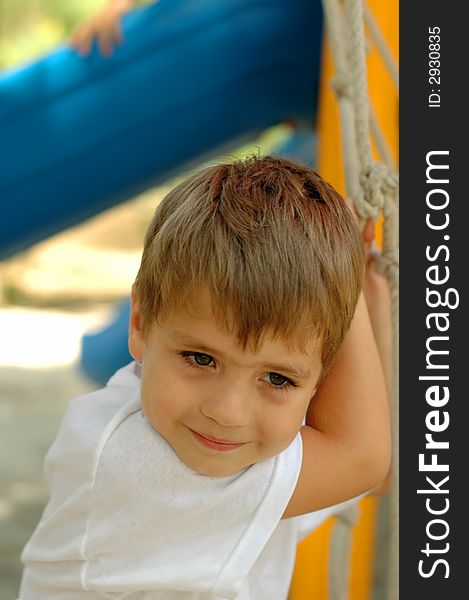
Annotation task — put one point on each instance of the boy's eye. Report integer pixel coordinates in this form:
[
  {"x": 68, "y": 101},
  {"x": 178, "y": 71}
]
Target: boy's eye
[
  {"x": 197, "y": 359},
  {"x": 277, "y": 380},
  {"x": 204, "y": 360}
]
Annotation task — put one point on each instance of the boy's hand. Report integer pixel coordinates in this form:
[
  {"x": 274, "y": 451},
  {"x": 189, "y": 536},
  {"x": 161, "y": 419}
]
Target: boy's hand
[{"x": 105, "y": 26}]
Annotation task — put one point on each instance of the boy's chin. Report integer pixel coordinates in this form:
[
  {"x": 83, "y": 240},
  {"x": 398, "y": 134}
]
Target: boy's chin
[
  {"x": 226, "y": 464},
  {"x": 215, "y": 468}
]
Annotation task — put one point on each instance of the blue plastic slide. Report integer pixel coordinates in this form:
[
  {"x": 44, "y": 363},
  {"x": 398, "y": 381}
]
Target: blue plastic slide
[{"x": 194, "y": 77}]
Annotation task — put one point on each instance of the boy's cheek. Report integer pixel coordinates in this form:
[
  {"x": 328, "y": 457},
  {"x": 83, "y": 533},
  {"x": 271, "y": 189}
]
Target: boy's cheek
[
  {"x": 285, "y": 429},
  {"x": 163, "y": 402}
]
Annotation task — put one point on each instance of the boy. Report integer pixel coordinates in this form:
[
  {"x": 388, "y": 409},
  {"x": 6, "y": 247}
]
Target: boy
[{"x": 257, "y": 395}]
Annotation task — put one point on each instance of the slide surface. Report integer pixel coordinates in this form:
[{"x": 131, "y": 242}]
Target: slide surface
[{"x": 193, "y": 78}]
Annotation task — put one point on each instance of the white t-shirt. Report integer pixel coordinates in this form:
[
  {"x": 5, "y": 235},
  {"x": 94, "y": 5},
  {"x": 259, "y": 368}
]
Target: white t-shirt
[{"x": 127, "y": 520}]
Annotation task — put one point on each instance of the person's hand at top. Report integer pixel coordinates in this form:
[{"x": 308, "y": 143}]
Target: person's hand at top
[{"x": 104, "y": 26}]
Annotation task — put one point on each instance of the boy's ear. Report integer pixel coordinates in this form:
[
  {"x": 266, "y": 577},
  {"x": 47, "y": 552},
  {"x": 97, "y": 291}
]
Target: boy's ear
[{"x": 135, "y": 329}]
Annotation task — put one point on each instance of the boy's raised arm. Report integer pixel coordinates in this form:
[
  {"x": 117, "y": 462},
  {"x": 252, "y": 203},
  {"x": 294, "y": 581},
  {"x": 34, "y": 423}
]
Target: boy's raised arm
[{"x": 346, "y": 439}]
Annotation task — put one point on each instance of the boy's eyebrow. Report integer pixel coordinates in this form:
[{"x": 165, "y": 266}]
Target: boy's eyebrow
[
  {"x": 182, "y": 338},
  {"x": 294, "y": 371}
]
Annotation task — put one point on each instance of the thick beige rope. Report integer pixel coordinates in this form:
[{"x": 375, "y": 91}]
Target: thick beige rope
[
  {"x": 380, "y": 141},
  {"x": 373, "y": 187}
]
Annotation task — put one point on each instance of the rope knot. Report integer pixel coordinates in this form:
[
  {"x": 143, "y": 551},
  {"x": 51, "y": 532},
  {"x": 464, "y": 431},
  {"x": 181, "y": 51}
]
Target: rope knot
[
  {"x": 341, "y": 84},
  {"x": 378, "y": 184}
]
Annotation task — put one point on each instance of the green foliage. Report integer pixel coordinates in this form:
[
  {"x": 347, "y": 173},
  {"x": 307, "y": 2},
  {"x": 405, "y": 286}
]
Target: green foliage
[{"x": 29, "y": 28}]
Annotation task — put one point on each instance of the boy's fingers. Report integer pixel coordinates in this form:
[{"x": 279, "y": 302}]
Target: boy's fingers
[
  {"x": 82, "y": 43},
  {"x": 117, "y": 34},
  {"x": 369, "y": 231},
  {"x": 105, "y": 27},
  {"x": 109, "y": 36},
  {"x": 368, "y": 240},
  {"x": 82, "y": 39},
  {"x": 106, "y": 39},
  {"x": 105, "y": 46}
]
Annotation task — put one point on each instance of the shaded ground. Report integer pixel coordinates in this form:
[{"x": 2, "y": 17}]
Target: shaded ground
[{"x": 31, "y": 407}]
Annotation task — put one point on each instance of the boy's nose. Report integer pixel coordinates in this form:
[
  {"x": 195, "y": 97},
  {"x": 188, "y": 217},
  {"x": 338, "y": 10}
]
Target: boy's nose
[{"x": 228, "y": 406}]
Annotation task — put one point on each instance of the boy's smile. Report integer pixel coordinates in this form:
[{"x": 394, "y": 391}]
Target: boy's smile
[
  {"x": 222, "y": 408},
  {"x": 215, "y": 444}
]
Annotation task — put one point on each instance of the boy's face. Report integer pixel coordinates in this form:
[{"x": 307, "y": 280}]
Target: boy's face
[{"x": 222, "y": 408}]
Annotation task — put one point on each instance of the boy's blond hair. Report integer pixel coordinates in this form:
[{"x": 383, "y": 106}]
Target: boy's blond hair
[{"x": 273, "y": 243}]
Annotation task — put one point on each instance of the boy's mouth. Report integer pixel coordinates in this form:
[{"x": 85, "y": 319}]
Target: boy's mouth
[{"x": 215, "y": 443}]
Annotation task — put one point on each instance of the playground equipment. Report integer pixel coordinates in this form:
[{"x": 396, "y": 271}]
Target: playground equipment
[
  {"x": 194, "y": 78},
  {"x": 167, "y": 101}
]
